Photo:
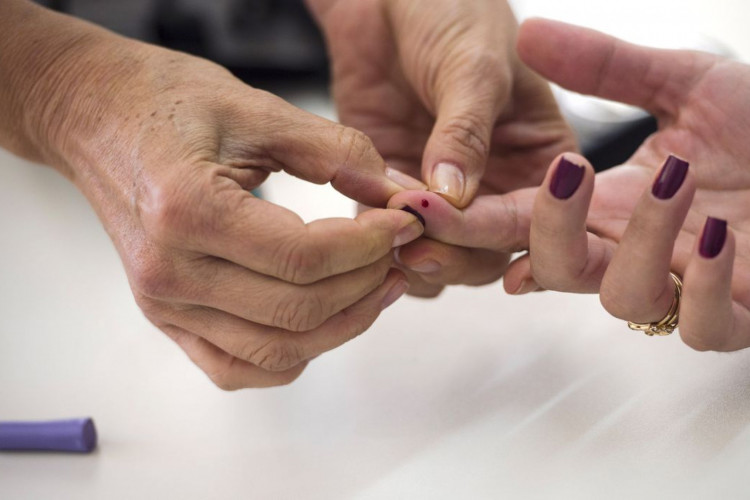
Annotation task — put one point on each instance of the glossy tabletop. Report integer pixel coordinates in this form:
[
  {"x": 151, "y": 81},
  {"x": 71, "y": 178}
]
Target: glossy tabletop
[{"x": 475, "y": 394}]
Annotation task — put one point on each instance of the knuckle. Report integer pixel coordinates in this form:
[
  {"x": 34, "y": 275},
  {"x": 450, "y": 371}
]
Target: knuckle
[
  {"x": 301, "y": 263},
  {"x": 301, "y": 312},
  {"x": 468, "y": 133},
  {"x": 173, "y": 211},
  {"x": 491, "y": 67},
  {"x": 153, "y": 277},
  {"x": 277, "y": 354},
  {"x": 553, "y": 277},
  {"x": 355, "y": 145},
  {"x": 613, "y": 302},
  {"x": 627, "y": 299},
  {"x": 164, "y": 212}
]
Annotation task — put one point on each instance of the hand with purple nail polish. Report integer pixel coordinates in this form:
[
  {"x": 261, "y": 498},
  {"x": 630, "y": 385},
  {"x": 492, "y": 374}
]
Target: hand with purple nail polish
[{"x": 679, "y": 204}]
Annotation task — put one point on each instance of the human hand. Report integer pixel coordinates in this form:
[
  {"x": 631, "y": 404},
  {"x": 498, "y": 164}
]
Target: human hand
[
  {"x": 703, "y": 109},
  {"x": 619, "y": 238},
  {"x": 167, "y": 148},
  {"x": 627, "y": 244},
  {"x": 438, "y": 87}
]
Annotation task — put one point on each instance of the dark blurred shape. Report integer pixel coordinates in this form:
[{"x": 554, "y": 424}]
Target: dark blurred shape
[
  {"x": 618, "y": 144},
  {"x": 258, "y": 40}
]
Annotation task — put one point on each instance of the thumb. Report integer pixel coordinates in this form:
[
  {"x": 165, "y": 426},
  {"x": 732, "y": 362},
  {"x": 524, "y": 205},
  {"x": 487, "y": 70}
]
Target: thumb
[
  {"x": 456, "y": 153},
  {"x": 276, "y": 135},
  {"x": 590, "y": 62}
]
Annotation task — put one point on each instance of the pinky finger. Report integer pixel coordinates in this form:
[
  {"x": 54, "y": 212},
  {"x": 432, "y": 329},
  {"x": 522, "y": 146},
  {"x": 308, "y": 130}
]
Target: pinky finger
[
  {"x": 226, "y": 371},
  {"x": 709, "y": 320}
]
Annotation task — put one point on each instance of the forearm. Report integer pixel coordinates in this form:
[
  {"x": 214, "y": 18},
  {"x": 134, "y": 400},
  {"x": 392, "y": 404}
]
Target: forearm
[{"x": 52, "y": 69}]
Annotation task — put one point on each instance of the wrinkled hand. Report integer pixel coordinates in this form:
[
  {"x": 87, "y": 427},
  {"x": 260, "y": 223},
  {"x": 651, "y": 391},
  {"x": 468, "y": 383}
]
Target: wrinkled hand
[
  {"x": 167, "y": 148},
  {"x": 437, "y": 86},
  {"x": 621, "y": 236}
]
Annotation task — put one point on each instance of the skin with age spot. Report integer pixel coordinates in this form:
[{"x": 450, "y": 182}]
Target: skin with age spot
[{"x": 167, "y": 148}]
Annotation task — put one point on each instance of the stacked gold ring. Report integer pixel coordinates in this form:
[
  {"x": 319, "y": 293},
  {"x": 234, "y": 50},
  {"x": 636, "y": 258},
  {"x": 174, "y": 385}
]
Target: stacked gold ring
[{"x": 667, "y": 324}]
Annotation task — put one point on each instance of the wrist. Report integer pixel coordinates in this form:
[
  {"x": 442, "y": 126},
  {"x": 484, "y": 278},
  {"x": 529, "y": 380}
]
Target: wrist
[{"x": 51, "y": 67}]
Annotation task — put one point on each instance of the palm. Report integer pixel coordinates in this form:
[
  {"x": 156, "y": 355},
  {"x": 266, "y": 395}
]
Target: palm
[{"x": 700, "y": 133}]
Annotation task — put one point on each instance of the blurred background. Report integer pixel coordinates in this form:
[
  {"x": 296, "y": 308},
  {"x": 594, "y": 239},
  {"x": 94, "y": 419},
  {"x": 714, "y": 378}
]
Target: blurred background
[
  {"x": 275, "y": 45},
  {"x": 261, "y": 41}
]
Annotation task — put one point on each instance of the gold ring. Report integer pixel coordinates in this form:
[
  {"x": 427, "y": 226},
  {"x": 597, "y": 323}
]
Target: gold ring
[{"x": 667, "y": 324}]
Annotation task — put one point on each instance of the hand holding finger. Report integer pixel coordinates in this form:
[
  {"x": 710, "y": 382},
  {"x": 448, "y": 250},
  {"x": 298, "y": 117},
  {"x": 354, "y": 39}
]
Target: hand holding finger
[
  {"x": 470, "y": 246},
  {"x": 172, "y": 189},
  {"x": 492, "y": 222}
]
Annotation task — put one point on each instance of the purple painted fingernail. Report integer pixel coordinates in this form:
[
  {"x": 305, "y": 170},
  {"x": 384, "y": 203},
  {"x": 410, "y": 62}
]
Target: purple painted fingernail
[
  {"x": 670, "y": 178},
  {"x": 566, "y": 179},
  {"x": 713, "y": 237}
]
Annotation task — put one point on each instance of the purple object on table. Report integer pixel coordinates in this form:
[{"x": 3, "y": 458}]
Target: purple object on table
[{"x": 77, "y": 435}]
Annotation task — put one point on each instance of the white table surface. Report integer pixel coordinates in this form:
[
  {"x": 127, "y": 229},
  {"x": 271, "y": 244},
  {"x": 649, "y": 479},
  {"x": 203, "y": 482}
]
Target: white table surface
[{"x": 473, "y": 395}]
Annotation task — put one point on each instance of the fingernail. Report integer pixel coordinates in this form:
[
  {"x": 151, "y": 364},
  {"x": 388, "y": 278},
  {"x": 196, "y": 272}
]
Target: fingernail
[
  {"x": 526, "y": 286},
  {"x": 404, "y": 180},
  {"x": 566, "y": 179},
  {"x": 670, "y": 178},
  {"x": 416, "y": 214},
  {"x": 426, "y": 266},
  {"x": 397, "y": 256},
  {"x": 713, "y": 237},
  {"x": 448, "y": 180},
  {"x": 408, "y": 233},
  {"x": 394, "y": 293}
]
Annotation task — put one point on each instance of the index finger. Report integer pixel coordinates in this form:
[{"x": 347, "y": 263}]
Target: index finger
[
  {"x": 493, "y": 222},
  {"x": 233, "y": 224}
]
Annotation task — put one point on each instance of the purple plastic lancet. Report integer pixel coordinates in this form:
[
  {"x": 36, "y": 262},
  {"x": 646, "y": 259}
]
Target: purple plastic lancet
[{"x": 75, "y": 435}]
